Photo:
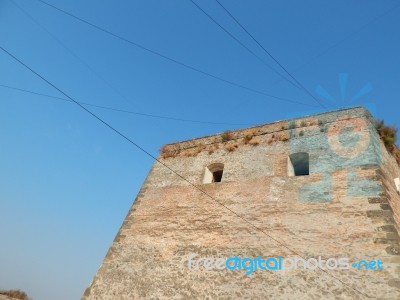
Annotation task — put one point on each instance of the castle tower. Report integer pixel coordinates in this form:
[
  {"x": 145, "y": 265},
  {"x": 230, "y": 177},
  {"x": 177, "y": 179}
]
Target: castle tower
[{"x": 304, "y": 208}]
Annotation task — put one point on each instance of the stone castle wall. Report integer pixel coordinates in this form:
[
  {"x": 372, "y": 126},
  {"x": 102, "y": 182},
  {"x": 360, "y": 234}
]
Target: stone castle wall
[{"x": 346, "y": 207}]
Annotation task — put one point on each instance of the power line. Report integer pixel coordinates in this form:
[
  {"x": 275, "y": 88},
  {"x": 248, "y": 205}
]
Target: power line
[
  {"x": 268, "y": 53},
  {"x": 103, "y": 79},
  {"x": 326, "y": 50},
  {"x": 165, "y": 165},
  {"x": 122, "y": 110},
  {"x": 171, "y": 59},
  {"x": 241, "y": 44},
  {"x": 70, "y": 51}
]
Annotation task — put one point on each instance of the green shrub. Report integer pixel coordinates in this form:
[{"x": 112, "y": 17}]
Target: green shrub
[{"x": 388, "y": 134}]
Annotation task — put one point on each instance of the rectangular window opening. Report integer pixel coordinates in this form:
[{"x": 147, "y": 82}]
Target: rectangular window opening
[
  {"x": 217, "y": 176},
  {"x": 299, "y": 164}
]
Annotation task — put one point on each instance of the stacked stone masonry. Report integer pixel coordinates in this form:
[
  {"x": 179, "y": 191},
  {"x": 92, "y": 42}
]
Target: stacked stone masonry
[{"x": 348, "y": 206}]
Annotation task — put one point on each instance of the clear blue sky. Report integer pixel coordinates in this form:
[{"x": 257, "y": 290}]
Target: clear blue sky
[{"x": 67, "y": 182}]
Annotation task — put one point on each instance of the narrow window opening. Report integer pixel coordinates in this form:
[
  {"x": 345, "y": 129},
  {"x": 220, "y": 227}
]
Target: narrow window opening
[
  {"x": 213, "y": 173},
  {"x": 299, "y": 164},
  {"x": 217, "y": 176}
]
